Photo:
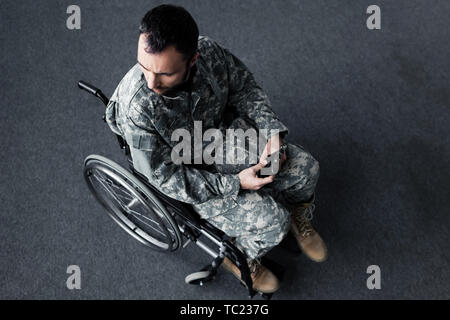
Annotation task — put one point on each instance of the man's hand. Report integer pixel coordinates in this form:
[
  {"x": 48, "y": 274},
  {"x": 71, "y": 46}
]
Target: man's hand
[
  {"x": 273, "y": 145},
  {"x": 249, "y": 179}
]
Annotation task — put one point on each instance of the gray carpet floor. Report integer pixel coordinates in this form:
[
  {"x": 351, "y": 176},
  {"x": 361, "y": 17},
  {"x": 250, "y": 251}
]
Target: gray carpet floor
[{"x": 371, "y": 105}]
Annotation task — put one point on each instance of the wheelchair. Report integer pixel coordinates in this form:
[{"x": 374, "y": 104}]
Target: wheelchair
[{"x": 154, "y": 219}]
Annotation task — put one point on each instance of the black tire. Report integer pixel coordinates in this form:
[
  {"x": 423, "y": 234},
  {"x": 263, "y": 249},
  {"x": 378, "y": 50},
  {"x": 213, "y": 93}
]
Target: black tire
[{"x": 149, "y": 222}]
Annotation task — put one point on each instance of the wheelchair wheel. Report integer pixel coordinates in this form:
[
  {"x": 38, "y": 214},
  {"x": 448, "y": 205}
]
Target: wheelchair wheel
[{"x": 131, "y": 204}]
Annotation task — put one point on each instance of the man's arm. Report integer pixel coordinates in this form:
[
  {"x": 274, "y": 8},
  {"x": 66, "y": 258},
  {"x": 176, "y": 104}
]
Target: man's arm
[
  {"x": 250, "y": 101},
  {"x": 152, "y": 157}
]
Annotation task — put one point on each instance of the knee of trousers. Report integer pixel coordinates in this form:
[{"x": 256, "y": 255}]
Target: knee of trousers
[
  {"x": 259, "y": 222},
  {"x": 313, "y": 171},
  {"x": 304, "y": 167},
  {"x": 268, "y": 236}
]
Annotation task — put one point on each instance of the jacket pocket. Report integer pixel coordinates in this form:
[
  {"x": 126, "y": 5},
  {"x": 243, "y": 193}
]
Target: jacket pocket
[{"x": 143, "y": 141}]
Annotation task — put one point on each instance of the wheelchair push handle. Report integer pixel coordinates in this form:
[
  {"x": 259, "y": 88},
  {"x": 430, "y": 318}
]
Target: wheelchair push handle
[{"x": 83, "y": 85}]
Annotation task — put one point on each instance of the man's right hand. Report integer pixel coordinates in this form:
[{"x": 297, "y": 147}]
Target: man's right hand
[{"x": 250, "y": 181}]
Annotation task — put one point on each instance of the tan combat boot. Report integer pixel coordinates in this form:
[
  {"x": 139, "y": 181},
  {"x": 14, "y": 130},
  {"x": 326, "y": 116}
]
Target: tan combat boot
[
  {"x": 263, "y": 279},
  {"x": 308, "y": 239}
]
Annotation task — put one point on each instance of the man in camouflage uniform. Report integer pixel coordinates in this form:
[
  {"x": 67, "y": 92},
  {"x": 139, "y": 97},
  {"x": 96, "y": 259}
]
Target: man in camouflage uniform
[{"x": 181, "y": 78}]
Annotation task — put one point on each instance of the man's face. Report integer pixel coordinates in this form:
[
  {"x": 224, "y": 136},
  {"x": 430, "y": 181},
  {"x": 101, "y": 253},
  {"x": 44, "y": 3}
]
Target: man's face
[{"x": 163, "y": 70}]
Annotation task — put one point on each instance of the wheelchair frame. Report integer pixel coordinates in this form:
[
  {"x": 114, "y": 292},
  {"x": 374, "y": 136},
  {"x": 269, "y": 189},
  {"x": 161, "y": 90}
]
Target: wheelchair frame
[{"x": 190, "y": 225}]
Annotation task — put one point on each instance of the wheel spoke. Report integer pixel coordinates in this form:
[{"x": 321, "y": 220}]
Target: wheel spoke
[
  {"x": 107, "y": 189},
  {"x": 117, "y": 197},
  {"x": 113, "y": 185},
  {"x": 157, "y": 230},
  {"x": 135, "y": 213},
  {"x": 150, "y": 220},
  {"x": 125, "y": 208},
  {"x": 131, "y": 204}
]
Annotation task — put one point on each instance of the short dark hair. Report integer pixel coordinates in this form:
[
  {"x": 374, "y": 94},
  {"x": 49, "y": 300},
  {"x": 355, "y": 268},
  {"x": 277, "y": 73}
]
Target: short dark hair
[{"x": 170, "y": 25}]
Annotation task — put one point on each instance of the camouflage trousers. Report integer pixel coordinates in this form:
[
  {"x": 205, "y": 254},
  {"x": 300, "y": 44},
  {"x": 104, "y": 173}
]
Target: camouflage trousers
[{"x": 262, "y": 218}]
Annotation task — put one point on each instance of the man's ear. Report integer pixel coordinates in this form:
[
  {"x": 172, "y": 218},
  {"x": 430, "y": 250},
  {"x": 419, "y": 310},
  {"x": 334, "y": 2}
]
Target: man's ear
[{"x": 194, "y": 59}]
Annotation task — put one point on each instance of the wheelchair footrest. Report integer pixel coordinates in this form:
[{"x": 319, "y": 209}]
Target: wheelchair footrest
[{"x": 206, "y": 274}]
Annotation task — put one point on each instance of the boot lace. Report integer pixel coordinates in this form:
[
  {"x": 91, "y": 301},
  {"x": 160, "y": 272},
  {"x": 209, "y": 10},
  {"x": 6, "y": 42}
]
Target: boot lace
[
  {"x": 255, "y": 267},
  {"x": 302, "y": 220}
]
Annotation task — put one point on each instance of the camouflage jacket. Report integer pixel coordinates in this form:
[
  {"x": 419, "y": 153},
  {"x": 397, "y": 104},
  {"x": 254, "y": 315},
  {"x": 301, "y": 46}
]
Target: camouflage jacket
[{"x": 146, "y": 120}]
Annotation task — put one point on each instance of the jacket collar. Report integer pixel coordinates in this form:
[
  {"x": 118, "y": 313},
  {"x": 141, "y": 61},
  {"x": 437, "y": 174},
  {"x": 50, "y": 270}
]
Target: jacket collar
[{"x": 168, "y": 113}]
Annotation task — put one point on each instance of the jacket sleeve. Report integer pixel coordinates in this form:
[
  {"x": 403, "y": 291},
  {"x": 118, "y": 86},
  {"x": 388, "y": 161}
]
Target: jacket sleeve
[
  {"x": 112, "y": 113},
  {"x": 152, "y": 157},
  {"x": 248, "y": 98}
]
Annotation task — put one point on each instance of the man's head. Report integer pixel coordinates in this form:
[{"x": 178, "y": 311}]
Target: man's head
[{"x": 167, "y": 47}]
